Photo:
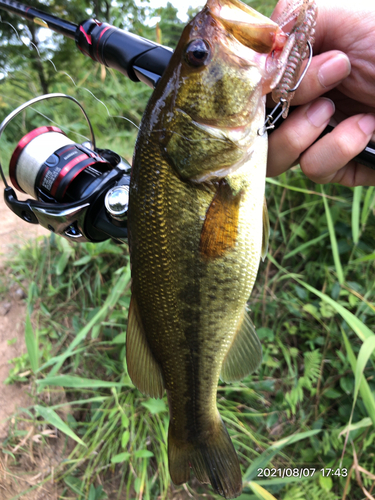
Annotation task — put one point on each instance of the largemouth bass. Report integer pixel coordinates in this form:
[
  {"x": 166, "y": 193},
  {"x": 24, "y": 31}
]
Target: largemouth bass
[{"x": 198, "y": 227}]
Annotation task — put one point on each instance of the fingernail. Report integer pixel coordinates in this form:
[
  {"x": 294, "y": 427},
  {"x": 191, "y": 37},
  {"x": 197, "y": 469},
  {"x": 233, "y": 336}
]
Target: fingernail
[
  {"x": 334, "y": 70},
  {"x": 367, "y": 124},
  {"x": 320, "y": 111}
]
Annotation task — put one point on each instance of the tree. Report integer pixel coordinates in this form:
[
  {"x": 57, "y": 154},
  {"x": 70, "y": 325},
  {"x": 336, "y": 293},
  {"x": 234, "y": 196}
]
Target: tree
[{"x": 24, "y": 47}]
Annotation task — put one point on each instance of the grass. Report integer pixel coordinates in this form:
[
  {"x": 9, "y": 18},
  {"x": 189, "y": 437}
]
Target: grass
[{"x": 310, "y": 406}]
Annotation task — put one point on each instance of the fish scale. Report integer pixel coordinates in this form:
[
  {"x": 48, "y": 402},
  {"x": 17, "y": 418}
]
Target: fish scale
[{"x": 198, "y": 227}]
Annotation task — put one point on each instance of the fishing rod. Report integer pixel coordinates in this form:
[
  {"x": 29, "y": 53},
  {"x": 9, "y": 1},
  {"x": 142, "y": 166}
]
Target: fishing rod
[
  {"x": 137, "y": 58},
  {"x": 80, "y": 191}
]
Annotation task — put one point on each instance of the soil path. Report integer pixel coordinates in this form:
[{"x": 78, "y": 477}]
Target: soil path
[{"x": 13, "y": 232}]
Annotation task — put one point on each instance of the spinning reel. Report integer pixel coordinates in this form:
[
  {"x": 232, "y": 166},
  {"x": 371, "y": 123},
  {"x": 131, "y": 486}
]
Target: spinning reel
[{"x": 78, "y": 191}]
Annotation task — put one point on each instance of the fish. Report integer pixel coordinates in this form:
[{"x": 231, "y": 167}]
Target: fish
[{"x": 198, "y": 228}]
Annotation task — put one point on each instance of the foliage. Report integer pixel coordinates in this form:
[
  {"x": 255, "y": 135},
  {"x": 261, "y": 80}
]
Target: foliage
[
  {"x": 311, "y": 404},
  {"x": 297, "y": 413}
]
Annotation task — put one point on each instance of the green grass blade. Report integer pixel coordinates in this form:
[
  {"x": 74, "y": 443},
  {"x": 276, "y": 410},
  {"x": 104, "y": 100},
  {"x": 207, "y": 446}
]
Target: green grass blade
[
  {"x": 32, "y": 344},
  {"x": 364, "y": 388},
  {"x": 52, "y": 418},
  {"x": 302, "y": 190},
  {"x": 269, "y": 453},
  {"x": 365, "y": 352},
  {"x": 356, "y": 212},
  {"x": 305, "y": 245},
  {"x": 366, "y": 258},
  {"x": 260, "y": 492},
  {"x": 365, "y": 422},
  {"x": 367, "y": 204},
  {"x": 75, "y": 382},
  {"x": 356, "y": 324},
  {"x": 111, "y": 300},
  {"x": 332, "y": 234}
]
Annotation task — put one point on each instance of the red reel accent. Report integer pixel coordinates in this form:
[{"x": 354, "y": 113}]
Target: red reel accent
[{"x": 20, "y": 147}]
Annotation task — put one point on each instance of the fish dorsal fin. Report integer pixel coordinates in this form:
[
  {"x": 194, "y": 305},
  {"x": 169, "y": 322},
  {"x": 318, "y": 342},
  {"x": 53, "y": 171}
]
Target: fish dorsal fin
[
  {"x": 143, "y": 368},
  {"x": 245, "y": 353},
  {"x": 220, "y": 227},
  {"x": 266, "y": 230}
]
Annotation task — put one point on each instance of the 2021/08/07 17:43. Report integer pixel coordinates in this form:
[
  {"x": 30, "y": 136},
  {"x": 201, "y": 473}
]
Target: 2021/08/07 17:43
[{"x": 303, "y": 472}]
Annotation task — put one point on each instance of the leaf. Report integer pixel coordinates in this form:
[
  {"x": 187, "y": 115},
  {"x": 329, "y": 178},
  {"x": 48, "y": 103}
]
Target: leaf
[
  {"x": 325, "y": 482},
  {"x": 119, "y": 339},
  {"x": 83, "y": 260},
  {"x": 364, "y": 388},
  {"x": 125, "y": 438},
  {"x": 365, "y": 422},
  {"x": 356, "y": 209},
  {"x": 365, "y": 352},
  {"x": 269, "y": 453},
  {"x": 67, "y": 251},
  {"x": 92, "y": 493},
  {"x": 32, "y": 344},
  {"x": 261, "y": 492},
  {"x": 76, "y": 382},
  {"x": 143, "y": 454},
  {"x": 52, "y": 418},
  {"x": 356, "y": 324},
  {"x": 367, "y": 204},
  {"x": 332, "y": 235},
  {"x": 124, "y": 421},
  {"x": 75, "y": 484},
  {"x": 370, "y": 256},
  {"x": 302, "y": 247},
  {"x": 110, "y": 302},
  {"x": 121, "y": 457},
  {"x": 155, "y": 405}
]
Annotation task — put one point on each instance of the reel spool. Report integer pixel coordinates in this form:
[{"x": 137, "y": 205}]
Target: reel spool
[{"x": 81, "y": 192}]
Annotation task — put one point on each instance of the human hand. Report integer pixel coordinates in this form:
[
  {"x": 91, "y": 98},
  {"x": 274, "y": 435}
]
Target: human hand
[{"x": 340, "y": 83}]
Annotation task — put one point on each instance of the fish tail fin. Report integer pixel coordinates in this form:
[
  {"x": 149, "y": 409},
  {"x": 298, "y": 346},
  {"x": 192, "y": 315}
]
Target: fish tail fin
[{"x": 212, "y": 458}]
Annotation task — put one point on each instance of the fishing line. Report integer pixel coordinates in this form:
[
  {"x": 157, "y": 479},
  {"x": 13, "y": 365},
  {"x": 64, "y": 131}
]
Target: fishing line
[
  {"x": 47, "y": 118},
  {"x": 29, "y": 77},
  {"x": 126, "y": 119}
]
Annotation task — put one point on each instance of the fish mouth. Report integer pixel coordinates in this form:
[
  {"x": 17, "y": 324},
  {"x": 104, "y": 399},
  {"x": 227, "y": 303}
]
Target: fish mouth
[{"x": 252, "y": 29}]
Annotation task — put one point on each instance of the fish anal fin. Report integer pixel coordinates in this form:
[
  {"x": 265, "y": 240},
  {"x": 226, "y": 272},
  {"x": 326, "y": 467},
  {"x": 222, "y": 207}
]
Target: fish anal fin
[
  {"x": 143, "y": 368},
  {"x": 212, "y": 458},
  {"x": 245, "y": 353},
  {"x": 266, "y": 230},
  {"x": 220, "y": 227}
]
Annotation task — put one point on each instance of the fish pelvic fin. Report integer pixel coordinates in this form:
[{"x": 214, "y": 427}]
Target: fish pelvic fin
[
  {"x": 212, "y": 458},
  {"x": 143, "y": 368},
  {"x": 245, "y": 352},
  {"x": 266, "y": 230},
  {"x": 220, "y": 227}
]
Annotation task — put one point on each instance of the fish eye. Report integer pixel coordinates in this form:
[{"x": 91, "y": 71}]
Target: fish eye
[{"x": 197, "y": 52}]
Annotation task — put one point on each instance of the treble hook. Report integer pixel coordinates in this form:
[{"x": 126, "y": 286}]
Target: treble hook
[{"x": 269, "y": 124}]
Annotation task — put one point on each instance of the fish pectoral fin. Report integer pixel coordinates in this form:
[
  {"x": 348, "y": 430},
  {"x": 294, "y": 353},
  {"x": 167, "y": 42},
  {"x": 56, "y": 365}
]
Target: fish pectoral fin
[
  {"x": 143, "y": 368},
  {"x": 266, "y": 230},
  {"x": 245, "y": 353},
  {"x": 220, "y": 227}
]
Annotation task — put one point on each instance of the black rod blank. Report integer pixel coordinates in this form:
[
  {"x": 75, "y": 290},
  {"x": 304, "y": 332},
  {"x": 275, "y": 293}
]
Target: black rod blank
[{"x": 54, "y": 23}]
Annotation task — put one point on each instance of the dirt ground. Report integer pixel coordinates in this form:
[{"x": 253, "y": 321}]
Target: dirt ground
[{"x": 13, "y": 233}]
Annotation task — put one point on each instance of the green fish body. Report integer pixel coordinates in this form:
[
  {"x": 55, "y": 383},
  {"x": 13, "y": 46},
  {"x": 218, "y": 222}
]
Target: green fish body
[{"x": 198, "y": 228}]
